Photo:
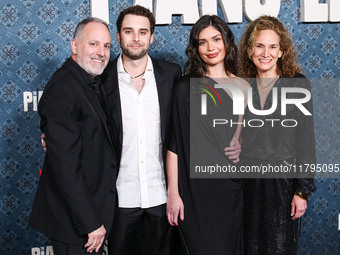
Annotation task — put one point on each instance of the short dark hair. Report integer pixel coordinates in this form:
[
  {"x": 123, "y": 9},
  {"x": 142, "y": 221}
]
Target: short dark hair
[
  {"x": 84, "y": 22},
  {"x": 139, "y": 11},
  {"x": 195, "y": 65}
]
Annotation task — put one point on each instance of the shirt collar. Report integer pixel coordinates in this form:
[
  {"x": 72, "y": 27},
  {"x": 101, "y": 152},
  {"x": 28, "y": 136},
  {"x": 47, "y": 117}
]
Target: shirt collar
[
  {"x": 86, "y": 77},
  {"x": 149, "y": 66},
  {"x": 120, "y": 67}
]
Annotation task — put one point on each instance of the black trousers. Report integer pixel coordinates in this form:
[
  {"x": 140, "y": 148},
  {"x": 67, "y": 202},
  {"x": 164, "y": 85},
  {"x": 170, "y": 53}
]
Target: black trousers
[
  {"x": 127, "y": 224},
  {"x": 60, "y": 248}
]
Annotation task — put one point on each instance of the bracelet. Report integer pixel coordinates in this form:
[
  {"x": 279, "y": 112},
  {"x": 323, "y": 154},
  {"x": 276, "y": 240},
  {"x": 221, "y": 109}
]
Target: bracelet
[{"x": 301, "y": 194}]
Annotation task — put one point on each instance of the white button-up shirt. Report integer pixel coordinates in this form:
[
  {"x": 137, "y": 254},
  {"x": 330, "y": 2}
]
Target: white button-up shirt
[{"x": 141, "y": 180}]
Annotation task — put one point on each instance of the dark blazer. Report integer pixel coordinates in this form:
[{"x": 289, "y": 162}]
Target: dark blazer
[
  {"x": 77, "y": 190},
  {"x": 165, "y": 74}
]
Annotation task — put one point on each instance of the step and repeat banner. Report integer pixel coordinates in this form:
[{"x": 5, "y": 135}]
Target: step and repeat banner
[{"x": 35, "y": 41}]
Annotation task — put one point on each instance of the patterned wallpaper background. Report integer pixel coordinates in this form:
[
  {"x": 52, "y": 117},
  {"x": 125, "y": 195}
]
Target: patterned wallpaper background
[{"x": 35, "y": 37}]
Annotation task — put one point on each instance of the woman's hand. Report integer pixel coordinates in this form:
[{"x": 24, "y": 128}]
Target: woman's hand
[
  {"x": 95, "y": 239},
  {"x": 43, "y": 142},
  {"x": 234, "y": 150},
  {"x": 174, "y": 208},
  {"x": 299, "y": 206}
]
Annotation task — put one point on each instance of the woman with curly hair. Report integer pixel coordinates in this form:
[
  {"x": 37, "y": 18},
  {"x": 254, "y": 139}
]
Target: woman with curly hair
[
  {"x": 272, "y": 206},
  {"x": 207, "y": 211}
]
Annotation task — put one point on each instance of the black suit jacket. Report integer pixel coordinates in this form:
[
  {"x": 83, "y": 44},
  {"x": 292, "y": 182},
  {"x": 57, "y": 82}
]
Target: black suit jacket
[
  {"x": 165, "y": 74},
  {"x": 76, "y": 192}
]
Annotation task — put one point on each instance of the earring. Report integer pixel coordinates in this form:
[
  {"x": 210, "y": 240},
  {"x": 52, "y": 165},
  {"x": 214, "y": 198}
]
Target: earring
[{"x": 250, "y": 57}]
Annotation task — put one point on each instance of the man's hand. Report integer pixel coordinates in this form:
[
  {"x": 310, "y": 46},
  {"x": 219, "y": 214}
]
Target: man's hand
[
  {"x": 234, "y": 150},
  {"x": 174, "y": 208},
  {"x": 299, "y": 206},
  {"x": 96, "y": 239},
  {"x": 43, "y": 142}
]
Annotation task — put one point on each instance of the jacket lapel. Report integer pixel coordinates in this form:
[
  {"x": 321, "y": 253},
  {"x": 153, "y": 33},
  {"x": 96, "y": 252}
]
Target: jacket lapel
[
  {"x": 163, "y": 94},
  {"x": 99, "y": 109},
  {"x": 83, "y": 79},
  {"x": 111, "y": 86}
]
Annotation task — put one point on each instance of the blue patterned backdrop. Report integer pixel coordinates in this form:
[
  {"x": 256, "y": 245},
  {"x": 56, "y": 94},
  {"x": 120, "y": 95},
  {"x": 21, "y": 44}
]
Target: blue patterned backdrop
[{"x": 35, "y": 37}]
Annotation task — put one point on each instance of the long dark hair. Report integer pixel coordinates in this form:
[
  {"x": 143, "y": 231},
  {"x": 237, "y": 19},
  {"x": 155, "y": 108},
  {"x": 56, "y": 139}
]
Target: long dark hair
[{"x": 195, "y": 66}]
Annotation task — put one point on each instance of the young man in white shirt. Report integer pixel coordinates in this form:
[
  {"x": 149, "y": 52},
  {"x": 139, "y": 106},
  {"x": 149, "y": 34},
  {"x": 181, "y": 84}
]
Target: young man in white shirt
[{"x": 139, "y": 90}]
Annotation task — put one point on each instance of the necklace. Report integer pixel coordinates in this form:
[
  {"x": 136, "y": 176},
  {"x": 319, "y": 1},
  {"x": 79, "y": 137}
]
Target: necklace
[
  {"x": 139, "y": 75},
  {"x": 270, "y": 83}
]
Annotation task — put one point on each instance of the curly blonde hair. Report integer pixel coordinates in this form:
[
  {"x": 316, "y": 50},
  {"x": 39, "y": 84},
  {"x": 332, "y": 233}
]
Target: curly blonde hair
[{"x": 287, "y": 65}]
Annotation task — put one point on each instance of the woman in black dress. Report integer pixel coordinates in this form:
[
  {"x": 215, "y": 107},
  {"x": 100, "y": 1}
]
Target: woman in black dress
[
  {"x": 272, "y": 206},
  {"x": 211, "y": 217}
]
